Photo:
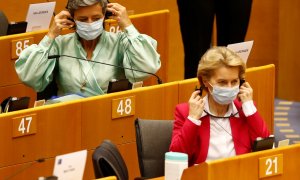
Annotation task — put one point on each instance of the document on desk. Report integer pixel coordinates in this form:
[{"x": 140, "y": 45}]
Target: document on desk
[
  {"x": 39, "y": 16},
  {"x": 66, "y": 98},
  {"x": 243, "y": 49}
]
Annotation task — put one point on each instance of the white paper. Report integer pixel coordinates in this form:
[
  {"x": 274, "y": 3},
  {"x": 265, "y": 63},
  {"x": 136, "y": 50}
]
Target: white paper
[
  {"x": 70, "y": 166},
  {"x": 39, "y": 16},
  {"x": 137, "y": 84},
  {"x": 243, "y": 49},
  {"x": 282, "y": 143}
]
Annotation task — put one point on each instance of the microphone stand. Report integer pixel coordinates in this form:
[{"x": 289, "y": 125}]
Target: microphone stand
[
  {"x": 159, "y": 81},
  {"x": 24, "y": 168}
]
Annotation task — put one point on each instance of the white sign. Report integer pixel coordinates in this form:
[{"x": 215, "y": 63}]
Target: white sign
[
  {"x": 70, "y": 166},
  {"x": 243, "y": 49},
  {"x": 39, "y": 16}
]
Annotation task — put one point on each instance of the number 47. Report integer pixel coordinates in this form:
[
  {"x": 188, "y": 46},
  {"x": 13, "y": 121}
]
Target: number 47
[{"x": 22, "y": 126}]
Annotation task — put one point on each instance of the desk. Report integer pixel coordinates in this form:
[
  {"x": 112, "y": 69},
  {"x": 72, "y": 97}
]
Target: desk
[
  {"x": 82, "y": 124},
  {"x": 247, "y": 166},
  {"x": 58, "y": 132},
  {"x": 85, "y": 123},
  {"x": 153, "y": 102}
]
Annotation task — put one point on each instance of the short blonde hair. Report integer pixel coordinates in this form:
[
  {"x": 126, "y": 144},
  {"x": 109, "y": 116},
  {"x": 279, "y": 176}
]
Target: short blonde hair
[{"x": 218, "y": 57}]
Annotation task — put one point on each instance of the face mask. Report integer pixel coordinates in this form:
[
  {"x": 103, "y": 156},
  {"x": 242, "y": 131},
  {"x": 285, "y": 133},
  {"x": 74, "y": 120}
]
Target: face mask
[
  {"x": 224, "y": 95},
  {"x": 89, "y": 31}
]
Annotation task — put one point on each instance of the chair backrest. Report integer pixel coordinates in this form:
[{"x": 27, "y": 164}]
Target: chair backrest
[
  {"x": 3, "y": 24},
  {"x": 153, "y": 138},
  {"x": 107, "y": 161}
]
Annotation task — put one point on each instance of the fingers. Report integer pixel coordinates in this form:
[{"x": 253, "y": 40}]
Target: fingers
[
  {"x": 246, "y": 85},
  {"x": 195, "y": 98},
  {"x": 114, "y": 7},
  {"x": 196, "y": 105},
  {"x": 63, "y": 20},
  {"x": 116, "y": 10},
  {"x": 64, "y": 23},
  {"x": 246, "y": 88},
  {"x": 246, "y": 92},
  {"x": 60, "y": 21},
  {"x": 63, "y": 14},
  {"x": 119, "y": 14},
  {"x": 195, "y": 94}
]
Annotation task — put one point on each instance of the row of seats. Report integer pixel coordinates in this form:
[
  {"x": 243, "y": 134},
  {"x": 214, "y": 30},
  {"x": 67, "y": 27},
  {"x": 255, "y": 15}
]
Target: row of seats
[{"x": 83, "y": 124}]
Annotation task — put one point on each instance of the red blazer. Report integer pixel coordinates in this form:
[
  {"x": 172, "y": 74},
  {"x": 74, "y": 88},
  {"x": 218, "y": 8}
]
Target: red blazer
[{"x": 194, "y": 140}]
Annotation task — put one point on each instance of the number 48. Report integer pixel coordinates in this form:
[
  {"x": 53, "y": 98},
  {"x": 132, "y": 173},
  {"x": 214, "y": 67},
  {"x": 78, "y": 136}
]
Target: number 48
[{"x": 127, "y": 108}]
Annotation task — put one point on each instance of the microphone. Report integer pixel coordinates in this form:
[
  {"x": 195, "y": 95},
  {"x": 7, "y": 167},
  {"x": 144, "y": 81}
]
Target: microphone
[
  {"x": 159, "y": 81},
  {"x": 24, "y": 168}
]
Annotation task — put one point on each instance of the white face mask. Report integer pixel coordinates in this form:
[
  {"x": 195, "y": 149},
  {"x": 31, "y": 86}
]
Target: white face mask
[
  {"x": 224, "y": 95},
  {"x": 89, "y": 31}
]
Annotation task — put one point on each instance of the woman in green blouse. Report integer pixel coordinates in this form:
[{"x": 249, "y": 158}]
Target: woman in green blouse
[{"x": 128, "y": 48}]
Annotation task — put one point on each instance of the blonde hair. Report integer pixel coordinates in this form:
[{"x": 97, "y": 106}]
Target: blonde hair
[{"x": 218, "y": 57}]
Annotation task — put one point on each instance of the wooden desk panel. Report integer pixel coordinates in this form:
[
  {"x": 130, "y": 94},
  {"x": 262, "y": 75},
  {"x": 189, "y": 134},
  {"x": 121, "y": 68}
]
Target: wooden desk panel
[
  {"x": 154, "y": 102},
  {"x": 186, "y": 88},
  {"x": 89, "y": 168},
  {"x": 262, "y": 81},
  {"x": 8, "y": 75},
  {"x": 129, "y": 154},
  {"x": 246, "y": 166},
  {"x": 32, "y": 170},
  {"x": 58, "y": 132},
  {"x": 18, "y": 90}
]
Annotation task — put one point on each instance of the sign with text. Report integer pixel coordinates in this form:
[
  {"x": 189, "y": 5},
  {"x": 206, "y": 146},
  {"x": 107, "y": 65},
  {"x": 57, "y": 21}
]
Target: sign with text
[
  {"x": 24, "y": 125},
  {"x": 39, "y": 16},
  {"x": 123, "y": 107},
  {"x": 243, "y": 49}
]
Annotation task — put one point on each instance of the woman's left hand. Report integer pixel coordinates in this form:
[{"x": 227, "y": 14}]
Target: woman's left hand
[
  {"x": 246, "y": 92},
  {"x": 119, "y": 14}
]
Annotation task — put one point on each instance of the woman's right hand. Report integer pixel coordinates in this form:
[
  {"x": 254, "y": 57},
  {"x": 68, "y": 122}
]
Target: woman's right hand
[
  {"x": 60, "y": 21},
  {"x": 196, "y": 105}
]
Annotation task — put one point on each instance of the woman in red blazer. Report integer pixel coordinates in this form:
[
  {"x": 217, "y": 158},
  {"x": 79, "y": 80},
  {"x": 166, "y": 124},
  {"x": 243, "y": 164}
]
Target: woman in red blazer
[{"x": 223, "y": 123}]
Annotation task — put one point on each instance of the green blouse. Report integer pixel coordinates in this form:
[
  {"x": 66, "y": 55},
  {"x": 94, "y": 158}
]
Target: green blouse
[{"x": 129, "y": 49}]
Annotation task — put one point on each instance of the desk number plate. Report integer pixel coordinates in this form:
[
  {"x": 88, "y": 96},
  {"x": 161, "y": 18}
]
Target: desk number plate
[
  {"x": 270, "y": 166},
  {"x": 123, "y": 107},
  {"x": 18, "y": 45},
  {"x": 24, "y": 125}
]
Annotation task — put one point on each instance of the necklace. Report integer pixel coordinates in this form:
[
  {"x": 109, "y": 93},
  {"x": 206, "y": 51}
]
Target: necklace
[{"x": 84, "y": 79}]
